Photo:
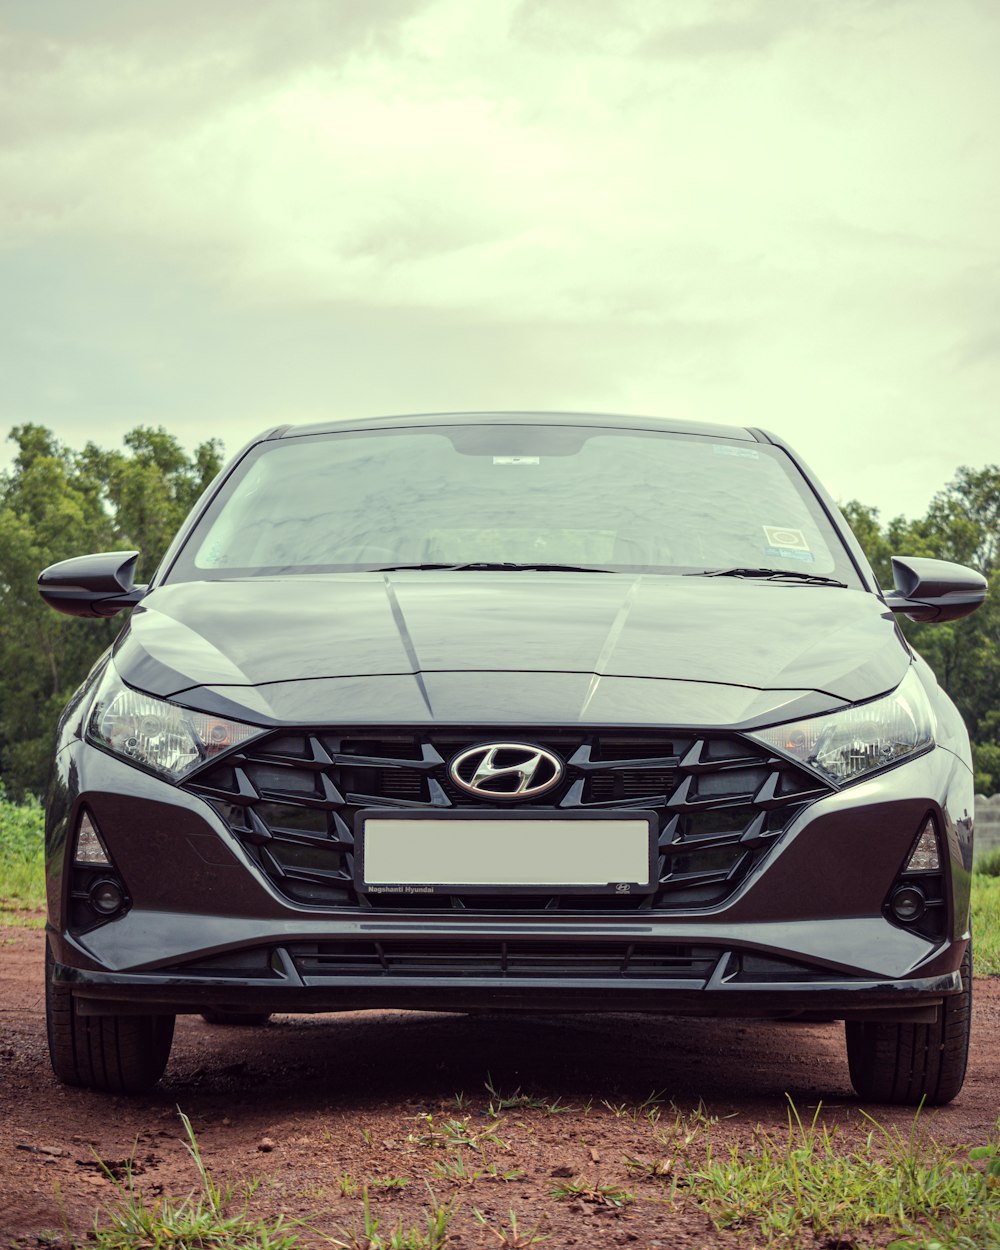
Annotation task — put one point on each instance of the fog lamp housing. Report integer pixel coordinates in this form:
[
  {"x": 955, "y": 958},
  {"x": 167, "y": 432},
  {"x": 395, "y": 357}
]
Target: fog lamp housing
[
  {"x": 918, "y": 898},
  {"x": 106, "y": 897},
  {"x": 907, "y": 903}
]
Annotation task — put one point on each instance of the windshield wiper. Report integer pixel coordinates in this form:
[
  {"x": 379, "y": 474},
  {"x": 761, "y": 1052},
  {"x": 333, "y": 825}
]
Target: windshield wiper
[
  {"x": 502, "y": 566},
  {"x": 773, "y": 575}
]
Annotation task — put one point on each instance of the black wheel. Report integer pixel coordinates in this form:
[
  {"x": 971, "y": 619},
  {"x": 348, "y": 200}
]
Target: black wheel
[
  {"x": 904, "y": 1063},
  {"x": 222, "y": 1015},
  {"x": 119, "y": 1054}
]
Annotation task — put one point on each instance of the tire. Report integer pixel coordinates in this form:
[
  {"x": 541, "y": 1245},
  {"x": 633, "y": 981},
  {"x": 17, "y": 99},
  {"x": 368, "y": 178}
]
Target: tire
[
  {"x": 907, "y": 1063},
  {"x": 117, "y": 1054},
  {"x": 223, "y": 1016}
]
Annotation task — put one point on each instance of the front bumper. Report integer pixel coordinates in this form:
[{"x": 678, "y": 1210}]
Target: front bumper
[{"x": 805, "y": 935}]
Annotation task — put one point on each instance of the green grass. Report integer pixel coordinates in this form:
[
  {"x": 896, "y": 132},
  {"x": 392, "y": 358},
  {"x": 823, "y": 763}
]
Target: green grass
[
  {"x": 803, "y": 1182},
  {"x": 365, "y": 1234},
  {"x": 989, "y": 865},
  {"x": 791, "y": 1188},
  {"x": 606, "y": 1194},
  {"x": 511, "y": 1234},
  {"x": 455, "y": 1132},
  {"x": 22, "y": 861},
  {"x": 986, "y": 924},
  {"x": 207, "y": 1219}
]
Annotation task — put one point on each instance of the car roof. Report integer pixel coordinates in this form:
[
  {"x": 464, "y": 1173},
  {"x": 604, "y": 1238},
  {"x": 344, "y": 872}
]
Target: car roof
[{"x": 667, "y": 425}]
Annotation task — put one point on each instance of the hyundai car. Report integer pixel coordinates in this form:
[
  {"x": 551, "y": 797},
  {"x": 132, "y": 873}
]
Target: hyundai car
[{"x": 512, "y": 712}]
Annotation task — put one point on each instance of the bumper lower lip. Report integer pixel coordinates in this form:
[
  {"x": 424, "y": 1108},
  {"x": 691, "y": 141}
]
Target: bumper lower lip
[
  {"x": 853, "y": 948},
  {"x": 915, "y": 999}
]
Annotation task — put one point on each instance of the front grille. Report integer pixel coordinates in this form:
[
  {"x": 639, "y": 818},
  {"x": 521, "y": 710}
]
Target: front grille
[{"x": 291, "y": 799}]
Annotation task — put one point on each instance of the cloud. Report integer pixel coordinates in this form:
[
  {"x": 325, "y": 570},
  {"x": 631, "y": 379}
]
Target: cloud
[
  {"x": 696, "y": 30},
  {"x": 755, "y": 209},
  {"x": 115, "y": 67},
  {"x": 405, "y": 153}
]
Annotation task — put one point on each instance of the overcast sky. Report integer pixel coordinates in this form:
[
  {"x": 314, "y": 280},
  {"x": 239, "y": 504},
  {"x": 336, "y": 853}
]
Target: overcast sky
[{"x": 219, "y": 216}]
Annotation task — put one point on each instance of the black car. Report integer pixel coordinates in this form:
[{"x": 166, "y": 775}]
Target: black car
[{"x": 512, "y": 711}]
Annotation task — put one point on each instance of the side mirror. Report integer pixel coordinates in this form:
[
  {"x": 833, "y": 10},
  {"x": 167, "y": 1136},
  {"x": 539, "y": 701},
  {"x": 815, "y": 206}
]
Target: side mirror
[
  {"x": 98, "y": 585},
  {"x": 934, "y": 590}
]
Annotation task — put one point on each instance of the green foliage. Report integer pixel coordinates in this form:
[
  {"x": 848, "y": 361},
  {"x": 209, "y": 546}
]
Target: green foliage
[
  {"x": 986, "y": 762},
  {"x": 803, "y": 1182},
  {"x": 986, "y": 923},
  {"x": 152, "y": 490},
  {"x": 22, "y": 856},
  {"x": 22, "y": 828},
  {"x": 56, "y": 503},
  {"x": 989, "y": 865},
  {"x": 963, "y": 525}
]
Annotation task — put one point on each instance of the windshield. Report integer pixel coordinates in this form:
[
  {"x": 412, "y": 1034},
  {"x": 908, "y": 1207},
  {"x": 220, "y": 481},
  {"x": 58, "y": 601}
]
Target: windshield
[{"x": 511, "y": 495}]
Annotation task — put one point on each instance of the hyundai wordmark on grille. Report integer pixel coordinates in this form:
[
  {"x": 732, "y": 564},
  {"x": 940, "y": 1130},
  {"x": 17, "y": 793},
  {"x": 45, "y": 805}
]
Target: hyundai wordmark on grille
[{"x": 512, "y": 711}]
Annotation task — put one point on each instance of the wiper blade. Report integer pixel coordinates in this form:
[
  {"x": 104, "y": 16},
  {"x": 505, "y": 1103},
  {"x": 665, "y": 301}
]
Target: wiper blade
[
  {"x": 503, "y": 566},
  {"x": 395, "y": 568},
  {"x": 772, "y": 575}
]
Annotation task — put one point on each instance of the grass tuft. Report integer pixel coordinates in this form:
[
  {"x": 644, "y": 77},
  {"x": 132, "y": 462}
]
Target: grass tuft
[
  {"x": 454, "y": 1133},
  {"x": 516, "y": 1100},
  {"x": 511, "y": 1234},
  {"x": 802, "y": 1181},
  {"x": 600, "y": 1195},
  {"x": 204, "y": 1220},
  {"x": 456, "y": 1170},
  {"x": 366, "y": 1235}
]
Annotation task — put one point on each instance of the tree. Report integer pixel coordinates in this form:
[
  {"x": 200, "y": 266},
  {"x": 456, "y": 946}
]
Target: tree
[
  {"x": 864, "y": 521},
  {"x": 56, "y": 503},
  {"x": 151, "y": 491},
  {"x": 963, "y": 525}
]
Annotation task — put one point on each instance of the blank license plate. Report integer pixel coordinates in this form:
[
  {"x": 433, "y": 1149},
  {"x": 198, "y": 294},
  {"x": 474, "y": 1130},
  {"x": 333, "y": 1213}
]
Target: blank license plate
[{"x": 418, "y": 854}]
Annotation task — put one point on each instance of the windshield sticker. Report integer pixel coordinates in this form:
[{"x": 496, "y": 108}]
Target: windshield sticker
[
  {"x": 781, "y": 536},
  {"x": 790, "y": 553},
  {"x": 516, "y": 459},
  {"x": 727, "y": 449}
]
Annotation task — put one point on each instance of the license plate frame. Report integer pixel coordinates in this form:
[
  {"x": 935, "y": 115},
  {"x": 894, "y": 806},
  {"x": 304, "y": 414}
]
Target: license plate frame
[{"x": 383, "y": 833}]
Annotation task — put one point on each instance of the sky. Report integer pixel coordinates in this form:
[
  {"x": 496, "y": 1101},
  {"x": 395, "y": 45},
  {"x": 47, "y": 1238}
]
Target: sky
[{"x": 219, "y": 217}]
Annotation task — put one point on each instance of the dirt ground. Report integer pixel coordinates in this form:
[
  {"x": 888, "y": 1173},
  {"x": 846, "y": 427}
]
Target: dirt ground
[{"x": 306, "y": 1102}]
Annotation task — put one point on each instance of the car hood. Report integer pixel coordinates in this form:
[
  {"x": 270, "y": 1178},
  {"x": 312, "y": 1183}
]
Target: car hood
[{"x": 275, "y": 648}]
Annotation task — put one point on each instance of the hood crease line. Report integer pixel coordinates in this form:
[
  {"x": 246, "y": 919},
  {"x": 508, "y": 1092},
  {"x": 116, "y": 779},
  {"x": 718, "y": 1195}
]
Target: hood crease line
[{"x": 407, "y": 640}]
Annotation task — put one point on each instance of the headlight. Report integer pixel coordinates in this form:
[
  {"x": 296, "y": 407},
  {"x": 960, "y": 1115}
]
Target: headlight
[
  {"x": 846, "y": 745},
  {"x": 161, "y": 736}
]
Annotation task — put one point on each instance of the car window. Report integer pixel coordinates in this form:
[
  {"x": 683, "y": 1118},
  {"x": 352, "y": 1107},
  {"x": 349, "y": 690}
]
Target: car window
[{"x": 589, "y": 496}]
